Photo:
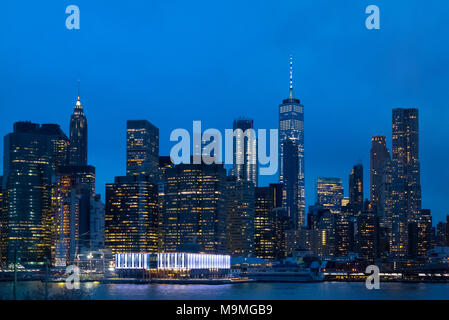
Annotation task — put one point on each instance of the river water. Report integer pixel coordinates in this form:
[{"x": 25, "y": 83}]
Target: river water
[{"x": 245, "y": 291}]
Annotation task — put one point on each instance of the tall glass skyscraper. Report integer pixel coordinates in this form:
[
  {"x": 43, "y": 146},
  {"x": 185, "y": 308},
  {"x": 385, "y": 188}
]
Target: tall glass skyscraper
[
  {"x": 267, "y": 199},
  {"x": 381, "y": 175},
  {"x": 406, "y": 159},
  {"x": 3, "y": 228},
  {"x": 66, "y": 223},
  {"x": 247, "y": 153},
  {"x": 194, "y": 212},
  {"x": 75, "y": 188},
  {"x": 366, "y": 236},
  {"x": 239, "y": 203},
  {"x": 78, "y": 136},
  {"x": 74, "y": 194},
  {"x": 406, "y": 186},
  {"x": 142, "y": 148},
  {"x": 380, "y": 162},
  {"x": 356, "y": 189},
  {"x": 131, "y": 215},
  {"x": 290, "y": 180},
  {"x": 291, "y": 126},
  {"x": 31, "y": 156}
]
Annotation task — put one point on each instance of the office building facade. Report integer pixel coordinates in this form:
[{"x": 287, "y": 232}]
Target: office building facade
[
  {"x": 239, "y": 203},
  {"x": 194, "y": 212},
  {"x": 32, "y": 154},
  {"x": 329, "y": 194},
  {"x": 131, "y": 215},
  {"x": 245, "y": 164},
  {"x": 142, "y": 148},
  {"x": 266, "y": 200},
  {"x": 356, "y": 189}
]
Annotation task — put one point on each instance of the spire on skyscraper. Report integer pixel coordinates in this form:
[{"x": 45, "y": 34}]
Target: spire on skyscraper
[
  {"x": 79, "y": 87},
  {"x": 291, "y": 126},
  {"x": 78, "y": 106},
  {"x": 78, "y": 135},
  {"x": 291, "y": 77}
]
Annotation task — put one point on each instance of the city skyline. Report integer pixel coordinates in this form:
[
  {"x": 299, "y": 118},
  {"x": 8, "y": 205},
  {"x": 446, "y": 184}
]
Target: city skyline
[
  {"x": 311, "y": 199},
  {"x": 52, "y": 210},
  {"x": 224, "y": 151},
  {"x": 334, "y": 133}
]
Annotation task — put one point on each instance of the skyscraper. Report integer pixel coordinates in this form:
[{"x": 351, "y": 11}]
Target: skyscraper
[
  {"x": 291, "y": 126},
  {"x": 281, "y": 224},
  {"x": 65, "y": 238},
  {"x": 321, "y": 235},
  {"x": 164, "y": 164},
  {"x": 239, "y": 202},
  {"x": 406, "y": 187},
  {"x": 356, "y": 189},
  {"x": 381, "y": 193},
  {"x": 75, "y": 189},
  {"x": 97, "y": 219},
  {"x": 31, "y": 156},
  {"x": 131, "y": 215},
  {"x": 194, "y": 213},
  {"x": 3, "y": 227},
  {"x": 380, "y": 176},
  {"x": 290, "y": 180},
  {"x": 344, "y": 235},
  {"x": 366, "y": 236},
  {"x": 78, "y": 136},
  {"x": 406, "y": 159},
  {"x": 266, "y": 200},
  {"x": 245, "y": 153},
  {"x": 420, "y": 235},
  {"x": 142, "y": 148},
  {"x": 441, "y": 234},
  {"x": 329, "y": 194}
]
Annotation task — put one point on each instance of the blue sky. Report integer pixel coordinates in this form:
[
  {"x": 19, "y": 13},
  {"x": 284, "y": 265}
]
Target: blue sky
[{"x": 173, "y": 62}]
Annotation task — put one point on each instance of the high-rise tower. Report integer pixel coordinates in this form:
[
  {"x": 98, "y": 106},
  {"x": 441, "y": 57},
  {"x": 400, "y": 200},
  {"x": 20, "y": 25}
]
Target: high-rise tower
[
  {"x": 291, "y": 126},
  {"x": 379, "y": 162},
  {"x": 356, "y": 189},
  {"x": 246, "y": 153},
  {"x": 239, "y": 204},
  {"x": 290, "y": 180},
  {"x": 406, "y": 186},
  {"x": 32, "y": 154},
  {"x": 406, "y": 159},
  {"x": 78, "y": 136},
  {"x": 131, "y": 215},
  {"x": 142, "y": 148},
  {"x": 194, "y": 212}
]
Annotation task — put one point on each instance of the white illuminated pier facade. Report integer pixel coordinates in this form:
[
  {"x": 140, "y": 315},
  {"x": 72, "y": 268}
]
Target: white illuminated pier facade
[
  {"x": 193, "y": 261},
  {"x": 174, "y": 265}
]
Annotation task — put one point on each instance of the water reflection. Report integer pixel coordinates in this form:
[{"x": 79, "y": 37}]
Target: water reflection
[{"x": 247, "y": 291}]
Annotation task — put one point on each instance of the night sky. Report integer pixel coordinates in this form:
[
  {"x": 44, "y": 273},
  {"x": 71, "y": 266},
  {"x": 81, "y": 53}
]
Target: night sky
[{"x": 172, "y": 62}]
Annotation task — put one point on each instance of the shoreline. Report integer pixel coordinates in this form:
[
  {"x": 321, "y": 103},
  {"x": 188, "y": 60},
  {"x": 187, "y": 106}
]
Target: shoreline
[{"x": 216, "y": 281}]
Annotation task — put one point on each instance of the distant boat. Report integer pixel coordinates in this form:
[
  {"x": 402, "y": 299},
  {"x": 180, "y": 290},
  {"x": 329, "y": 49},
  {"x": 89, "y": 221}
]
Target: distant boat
[{"x": 286, "y": 274}]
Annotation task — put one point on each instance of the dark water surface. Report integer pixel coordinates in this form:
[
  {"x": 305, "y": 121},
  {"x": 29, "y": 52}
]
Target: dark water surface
[{"x": 246, "y": 291}]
